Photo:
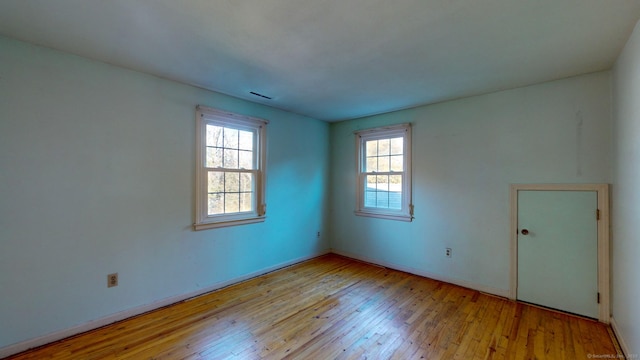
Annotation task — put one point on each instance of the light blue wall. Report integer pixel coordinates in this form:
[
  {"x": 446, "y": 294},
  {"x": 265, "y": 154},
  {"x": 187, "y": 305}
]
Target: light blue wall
[
  {"x": 97, "y": 176},
  {"x": 626, "y": 194},
  {"x": 466, "y": 153}
]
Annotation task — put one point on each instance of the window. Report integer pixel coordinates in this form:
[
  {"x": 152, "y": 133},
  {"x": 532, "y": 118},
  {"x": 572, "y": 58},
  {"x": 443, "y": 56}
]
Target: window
[
  {"x": 230, "y": 169},
  {"x": 384, "y": 172}
]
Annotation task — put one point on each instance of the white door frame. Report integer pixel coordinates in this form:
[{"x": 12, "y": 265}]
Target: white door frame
[{"x": 603, "y": 237}]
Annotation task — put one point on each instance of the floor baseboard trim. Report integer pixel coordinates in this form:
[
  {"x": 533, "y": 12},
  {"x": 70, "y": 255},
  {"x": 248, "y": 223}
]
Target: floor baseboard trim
[
  {"x": 479, "y": 287},
  {"x": 138, "y": 310},
  {"x": 621, "y": 342}
]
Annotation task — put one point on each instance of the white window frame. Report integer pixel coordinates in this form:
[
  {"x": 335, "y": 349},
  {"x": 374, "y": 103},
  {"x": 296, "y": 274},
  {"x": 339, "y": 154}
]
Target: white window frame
[
  {"x": 405, "y": 213},
  {"x": 204, "y": 116}
]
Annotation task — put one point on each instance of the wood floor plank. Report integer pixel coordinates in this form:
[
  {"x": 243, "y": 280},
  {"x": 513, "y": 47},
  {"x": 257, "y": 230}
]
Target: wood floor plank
[{"x": 333, "y": 307}]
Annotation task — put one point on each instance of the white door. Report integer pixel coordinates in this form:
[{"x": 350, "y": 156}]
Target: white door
[{"x": 558, "y": 250}]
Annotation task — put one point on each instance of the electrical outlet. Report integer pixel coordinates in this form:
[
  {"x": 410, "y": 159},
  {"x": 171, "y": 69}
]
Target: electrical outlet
[
  {"x": 112, "y": 280},
  {"x": 447, "y": 252}
]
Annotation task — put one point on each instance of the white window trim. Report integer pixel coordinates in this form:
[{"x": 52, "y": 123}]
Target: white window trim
[
  {"x": 406, "y": 212},
  {"x": 205, "y": 115}
]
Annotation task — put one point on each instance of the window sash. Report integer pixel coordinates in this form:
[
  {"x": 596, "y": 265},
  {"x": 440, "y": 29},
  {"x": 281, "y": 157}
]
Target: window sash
[
  {"x": 254, "y": 175},
  {"x": 388, "y": 190}
]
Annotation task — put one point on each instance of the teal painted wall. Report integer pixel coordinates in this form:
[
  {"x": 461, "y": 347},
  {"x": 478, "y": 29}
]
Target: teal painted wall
[
  {"x": 97, "y": 176},
  {"x": 466, "y": 153},
  {"x": 625, "y": 200}
]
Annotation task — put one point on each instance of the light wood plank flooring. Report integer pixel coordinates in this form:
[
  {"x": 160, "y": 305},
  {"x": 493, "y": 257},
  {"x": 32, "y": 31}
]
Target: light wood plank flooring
[{"x": 336, "y": 308}]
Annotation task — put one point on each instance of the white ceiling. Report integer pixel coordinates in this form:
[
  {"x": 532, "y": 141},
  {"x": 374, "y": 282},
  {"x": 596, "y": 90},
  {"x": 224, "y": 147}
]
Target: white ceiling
[{"x": 336, "y": 59}]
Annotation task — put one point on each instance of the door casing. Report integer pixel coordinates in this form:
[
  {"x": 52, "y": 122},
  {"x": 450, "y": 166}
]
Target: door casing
[{"x": 604, "y": 313}]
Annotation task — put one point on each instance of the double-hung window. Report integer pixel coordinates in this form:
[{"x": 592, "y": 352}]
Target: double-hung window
[
  {"x": 230, "y": 169},
  {"x": 384, "y": 172}
]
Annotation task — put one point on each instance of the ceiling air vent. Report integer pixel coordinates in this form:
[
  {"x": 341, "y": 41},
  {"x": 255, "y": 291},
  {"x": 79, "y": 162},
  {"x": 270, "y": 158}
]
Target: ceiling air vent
[{"x": 262, "y": 96}]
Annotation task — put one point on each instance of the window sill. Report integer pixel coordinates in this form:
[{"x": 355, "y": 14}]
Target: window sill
[
  {"x": 399, "y": 217},
  {"x": 220, "y": 224}
]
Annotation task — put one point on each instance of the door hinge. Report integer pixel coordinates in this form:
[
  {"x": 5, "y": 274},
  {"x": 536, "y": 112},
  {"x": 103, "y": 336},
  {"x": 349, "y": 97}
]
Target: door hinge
[
  {"x": 598, "y": 298},
  {"x": 597, "y": 214}
]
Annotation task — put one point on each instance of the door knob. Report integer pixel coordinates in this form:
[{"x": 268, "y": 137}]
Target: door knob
[{"x": 525, "y": 232}]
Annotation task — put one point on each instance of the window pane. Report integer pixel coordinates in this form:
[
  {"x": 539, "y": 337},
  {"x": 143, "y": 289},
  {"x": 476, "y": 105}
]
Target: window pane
[
  {"x": 370, "y": 183},
  {"x": 382, "y": 186},
  {"x": 213, "y": 157},
  {"x": 216, "y": 182},
  {"x": 231, "y": 203},
  {"x": 246, "y": 182},
  {"x": 383, "y": 164},
  {"x": 372, "y": 148},
  {"x": 372, "y": 164},
  {"x": 246, "y": 160},
  {"x": 370, "y": 198},
  {"x": 216, "y": 204},
  {"x": 230, "y": 159},
  {"x": 214, "y": 135},
  {"x": 382, "y": 200},
  {"x": 230, "y": 138},
  {"x": 395, "y": 192},
  {"x": 246, "y": 140},
  {"x": 246, "y": 202},
  {"x": 396, "y": 163},
  {"x": 396, "y": 146},
  {"x": 382, "y": 182},
  {"x": 232, "y": 182},
  {"x": 383, "y": 147}
]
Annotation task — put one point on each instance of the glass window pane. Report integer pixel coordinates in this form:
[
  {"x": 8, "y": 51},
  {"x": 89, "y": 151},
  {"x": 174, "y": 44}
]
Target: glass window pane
[
  {"x": 382, "y": 186},
  {"x": 383, "y": 164},
  {"x": 246, "y": 140},
  {"x": 396, "y": 163},
  {"x": 370, "y": 183},
  {"x": 230, "y": 138},
  {"x": 382, "y": 200},
  {"x": 231, "y": 203},
  {"x": 396, "y": 146},
  {"x": 383, "y": 147},
  {"x": 216, "y": 204},
  {"x": 214, "y": 135},
  {"x": 370, "y": 198},
  {"x": 232, "y": 182},
  {"x": 230, "y": 159},
  {"x": 245, "y": 160},
  {"x": 382, "y": 182},
  {"x": 372, "y": 148},
  {"x": 246, "y": 201},
  {"x": 395, "y": 192},
  {"x": 214, "y": 157},
  {"x": 246, "y": 182},
  {"x": 216, "y": 182},
  {"x": 372, "y": 164}
]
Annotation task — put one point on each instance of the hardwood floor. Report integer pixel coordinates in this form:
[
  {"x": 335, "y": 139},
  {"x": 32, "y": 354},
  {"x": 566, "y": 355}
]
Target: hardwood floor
[{"x": 336, "y": 308}]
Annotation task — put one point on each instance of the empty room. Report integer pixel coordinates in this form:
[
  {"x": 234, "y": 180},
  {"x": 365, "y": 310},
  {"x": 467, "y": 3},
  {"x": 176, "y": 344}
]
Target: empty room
[{"x": 319, "y": 179}]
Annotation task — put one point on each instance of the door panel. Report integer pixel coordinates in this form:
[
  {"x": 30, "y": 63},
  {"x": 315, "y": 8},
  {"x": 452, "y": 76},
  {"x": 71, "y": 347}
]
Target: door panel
[{"x": 558, "y": 258}]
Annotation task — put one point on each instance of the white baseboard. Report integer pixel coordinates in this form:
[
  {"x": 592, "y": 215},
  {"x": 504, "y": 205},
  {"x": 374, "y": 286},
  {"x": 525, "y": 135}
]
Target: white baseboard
[
  {"x": 459, "y": 282},
  {"x": 109, "y": 319},
  {"x": 621, "y": 342}
]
